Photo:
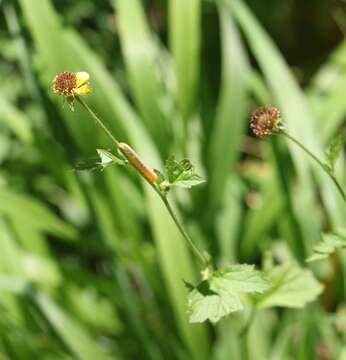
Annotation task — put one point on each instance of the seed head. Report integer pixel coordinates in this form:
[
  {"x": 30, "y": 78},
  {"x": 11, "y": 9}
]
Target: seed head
[
  {"x": 265, "y": 120},
  {"x": 65, "y": 83}
]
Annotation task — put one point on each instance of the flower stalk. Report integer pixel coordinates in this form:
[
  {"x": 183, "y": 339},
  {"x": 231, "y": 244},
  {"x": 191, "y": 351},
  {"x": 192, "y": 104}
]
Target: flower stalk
[
  {"x": 323, "y": 166},
  {"x": 150, "y": 177},
  {"x": 266, "y": 121}
]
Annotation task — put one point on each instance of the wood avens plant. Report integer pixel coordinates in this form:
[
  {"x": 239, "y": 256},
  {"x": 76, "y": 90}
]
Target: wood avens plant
[{"x": 220, "y": 292}]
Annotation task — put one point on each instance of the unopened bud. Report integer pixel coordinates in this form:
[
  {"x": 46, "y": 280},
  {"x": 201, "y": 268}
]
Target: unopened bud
[{"x": 137, "y": 163}]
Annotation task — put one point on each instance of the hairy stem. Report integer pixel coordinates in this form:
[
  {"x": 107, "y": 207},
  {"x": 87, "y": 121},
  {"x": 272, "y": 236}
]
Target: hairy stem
[
  {"x": 324, "y": 167},
  {"x": 163, "y": 197}
]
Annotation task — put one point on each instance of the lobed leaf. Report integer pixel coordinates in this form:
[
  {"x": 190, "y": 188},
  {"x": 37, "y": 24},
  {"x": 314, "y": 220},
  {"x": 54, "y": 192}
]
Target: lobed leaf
[
  {"x": 329, "y": 244},
  {"x": 182, "y": 173},
  {"x": 291, "y": 286},
  {"x": 219, "y": 296}
]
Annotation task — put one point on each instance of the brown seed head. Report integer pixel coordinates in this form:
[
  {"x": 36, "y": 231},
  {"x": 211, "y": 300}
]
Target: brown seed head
[
  {"x": 64, "y": 83},
  {"x": 265, "y": 120}
]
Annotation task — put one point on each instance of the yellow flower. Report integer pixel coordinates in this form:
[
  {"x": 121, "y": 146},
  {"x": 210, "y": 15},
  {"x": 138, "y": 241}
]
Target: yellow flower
[{"x": 69, "y": 84}]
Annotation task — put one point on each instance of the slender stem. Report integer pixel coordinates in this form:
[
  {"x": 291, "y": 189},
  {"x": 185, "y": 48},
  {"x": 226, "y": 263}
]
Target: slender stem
[
  {"x": 99, "y": 122},
  {"x": 318, "y": 161},
  {"x": 187, "y": 237},
  {"x": 163, "y": 197}
]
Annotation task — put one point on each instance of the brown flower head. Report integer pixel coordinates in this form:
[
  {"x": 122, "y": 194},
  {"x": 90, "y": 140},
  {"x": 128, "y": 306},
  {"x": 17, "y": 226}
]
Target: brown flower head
[
  {"x": 64, "y": 83},
  {"x": 69, "y": 83},
  {"x": 265, "y": 120}
]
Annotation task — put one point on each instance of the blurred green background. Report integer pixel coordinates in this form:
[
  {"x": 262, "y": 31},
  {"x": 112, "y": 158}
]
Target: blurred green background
[{"x": 91, "y": 266}]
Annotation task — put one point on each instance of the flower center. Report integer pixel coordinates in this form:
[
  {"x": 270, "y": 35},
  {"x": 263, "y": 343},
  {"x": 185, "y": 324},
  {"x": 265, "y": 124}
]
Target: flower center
[
  {"x": 65, "y": 83},
  {"x": 265, "y": 120}
]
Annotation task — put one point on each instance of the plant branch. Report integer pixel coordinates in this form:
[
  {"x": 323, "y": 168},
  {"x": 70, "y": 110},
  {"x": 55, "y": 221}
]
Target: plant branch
[
  {"x": 324, "y": 166},
  {"x": 163, "y": 197}
]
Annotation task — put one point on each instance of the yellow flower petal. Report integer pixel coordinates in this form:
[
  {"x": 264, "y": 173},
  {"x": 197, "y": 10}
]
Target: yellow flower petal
[
  {"x": 83, "y": 90},
  {"x": 82, "y": 78}
]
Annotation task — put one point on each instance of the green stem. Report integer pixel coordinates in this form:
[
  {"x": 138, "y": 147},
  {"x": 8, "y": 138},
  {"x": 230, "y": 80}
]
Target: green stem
[
  {"x": 318, "y": 161},
  {"x": 187, "y": 237},
  {"x": 180, "y": 227},
  {"x": 98, "y": 121}
]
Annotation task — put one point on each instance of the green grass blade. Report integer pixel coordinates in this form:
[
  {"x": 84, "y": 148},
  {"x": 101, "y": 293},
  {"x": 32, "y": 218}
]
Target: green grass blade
[
  {"x": 15, "y": 120},
  {"x": 230, "y": 121},
  {"x": 326, "y": 93},
  {"x": 141, "y": 52},
  {"x": 184, "y": 41},
  {"x": 81, "y": 343},
  {"x": 21, "y": 206}
]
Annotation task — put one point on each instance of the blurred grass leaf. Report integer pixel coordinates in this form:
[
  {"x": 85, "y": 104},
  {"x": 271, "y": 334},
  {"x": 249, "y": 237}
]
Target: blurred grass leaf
[
  {"x": 81, "y": 343},
  {"x": 184, "y": 43},
  {"x": 15, "y": 120},
  {"x": 230, "y": 118},
  {"x": 141, "y": 53},
  {"x": 23, "y": 206}
]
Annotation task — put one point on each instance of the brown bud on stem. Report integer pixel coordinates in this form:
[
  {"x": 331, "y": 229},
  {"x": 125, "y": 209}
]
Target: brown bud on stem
[
  {"x": 137, "y": 163},
  {"x": 265, "y": 120}
]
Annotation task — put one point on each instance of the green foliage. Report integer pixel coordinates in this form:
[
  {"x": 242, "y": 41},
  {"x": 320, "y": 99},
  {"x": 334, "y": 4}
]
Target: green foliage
[
  {"x": 329, "y": 244},
  {"x": 220, "y": 293},
  {"x": 334, "y": 151},
  {"x": 105, "y": 159},
  {"x": 290, "y": 286},
  {"x": 179, "y": 173},
  {"x": 91, "y": 264}
]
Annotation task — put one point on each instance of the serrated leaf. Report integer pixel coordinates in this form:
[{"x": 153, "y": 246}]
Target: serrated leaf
[
  {"x": 204, "y": 304},
  {"x": 219, "y": 296},
  {"x": 329, "y": 244},
  {"x": 182, "y": 173},
  {"x": 105, "y": 158},
  {"x": 291, "y": 286},
  {"x": 334, "y": 150}
]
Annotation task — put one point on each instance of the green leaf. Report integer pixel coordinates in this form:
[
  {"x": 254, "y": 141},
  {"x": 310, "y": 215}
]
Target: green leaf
[
  {"x": 71, "y": 332},
  {"x": 329, "y": 244},
  {"x": 334, "y": 150},
  {"x": 291, "y": 286},
  {"x": 141, "y": 53},
  {"x": 182, "y": 173},
  {"x": 230, "y": 119},
  {"x": 184, "y": 42},
  {"x": 219, "y": 295},
  {"x": 105, "y": 159}
]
